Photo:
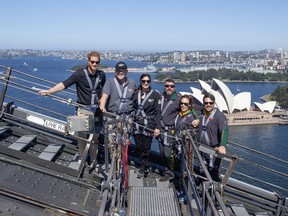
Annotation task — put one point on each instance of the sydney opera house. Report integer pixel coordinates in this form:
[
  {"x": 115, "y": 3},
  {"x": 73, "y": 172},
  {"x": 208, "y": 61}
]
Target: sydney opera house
[{"x": 236, "y": 107}]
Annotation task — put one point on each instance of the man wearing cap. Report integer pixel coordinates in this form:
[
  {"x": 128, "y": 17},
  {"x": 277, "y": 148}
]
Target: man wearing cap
[{"x": 118, "y": 91}]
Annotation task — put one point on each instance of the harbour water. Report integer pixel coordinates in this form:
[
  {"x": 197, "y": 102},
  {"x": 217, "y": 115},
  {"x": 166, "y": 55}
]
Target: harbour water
[{"x": 269, "y": 139}]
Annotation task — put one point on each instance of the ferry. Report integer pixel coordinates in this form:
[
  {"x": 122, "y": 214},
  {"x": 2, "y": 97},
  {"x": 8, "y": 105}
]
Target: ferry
[
  {"x": 148, "y": 69},
  {"x": 41, "y": 173}
]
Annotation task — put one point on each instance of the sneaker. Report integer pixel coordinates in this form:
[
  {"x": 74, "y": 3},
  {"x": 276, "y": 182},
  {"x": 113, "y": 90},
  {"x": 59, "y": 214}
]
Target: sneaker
[
  {"x": 167, "y": 176},
  {"x": 141, "y": 172},
  {"x": 145, "y": 170},
  {"x": 182, "y": 196}
]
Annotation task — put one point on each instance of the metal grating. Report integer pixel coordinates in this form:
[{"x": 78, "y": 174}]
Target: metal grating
[{"x": 152, "y": 201}]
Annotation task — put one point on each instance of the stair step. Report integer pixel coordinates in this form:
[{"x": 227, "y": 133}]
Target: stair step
[
  {"x": 153, "y": 201},
  {"x": 23, "y": 142},
  {"x": 239, "y": 210},
  {"x": 50, "y": 152}
]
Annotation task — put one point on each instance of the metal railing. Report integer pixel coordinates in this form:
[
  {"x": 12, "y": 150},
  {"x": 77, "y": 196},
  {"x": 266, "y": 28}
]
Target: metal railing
[{"x": 210, "y": 199}]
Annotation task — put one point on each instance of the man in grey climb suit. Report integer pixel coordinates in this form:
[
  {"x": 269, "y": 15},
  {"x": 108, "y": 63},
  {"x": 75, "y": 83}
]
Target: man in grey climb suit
[
  {"x": 169, "y": 110},
  {"x": 118, "y": 92},
  {"x": 213, "y": 131}
]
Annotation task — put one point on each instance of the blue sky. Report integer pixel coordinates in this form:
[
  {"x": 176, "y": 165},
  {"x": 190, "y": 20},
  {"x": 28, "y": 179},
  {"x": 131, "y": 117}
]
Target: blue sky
[{"x": 148, "y": 25}]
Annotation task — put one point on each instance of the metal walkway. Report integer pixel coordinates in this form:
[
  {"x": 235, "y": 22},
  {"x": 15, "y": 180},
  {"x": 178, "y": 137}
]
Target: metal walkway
[{"x": 149, "y": 197}]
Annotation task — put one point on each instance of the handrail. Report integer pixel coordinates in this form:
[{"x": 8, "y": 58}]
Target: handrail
[{"x": 210, "y": 188}]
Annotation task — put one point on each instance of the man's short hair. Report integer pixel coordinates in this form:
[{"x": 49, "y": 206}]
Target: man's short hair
[
  {"x": 170, "y": 80},
  {"x": 94, "y": 54},
  {"x": 210, "y": 96}
]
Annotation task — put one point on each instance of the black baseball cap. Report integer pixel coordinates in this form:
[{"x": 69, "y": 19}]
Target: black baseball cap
[{"x": 121, "y": 66}]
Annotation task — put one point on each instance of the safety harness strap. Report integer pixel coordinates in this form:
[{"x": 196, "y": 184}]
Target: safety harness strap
[
  {"x": 204, "y": 138},
  {"x": 94, "y": 96},
  {"x": 141, "y": 110},
  {"x": 123, "y": 94}
]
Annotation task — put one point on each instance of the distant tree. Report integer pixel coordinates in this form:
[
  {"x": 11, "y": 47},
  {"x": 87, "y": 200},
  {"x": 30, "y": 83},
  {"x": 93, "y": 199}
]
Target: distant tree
[{"x": 280, "y": 95}]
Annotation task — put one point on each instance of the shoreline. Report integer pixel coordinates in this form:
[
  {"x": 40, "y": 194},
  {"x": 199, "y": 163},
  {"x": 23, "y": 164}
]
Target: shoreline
[{"x": 230, "y": 81}]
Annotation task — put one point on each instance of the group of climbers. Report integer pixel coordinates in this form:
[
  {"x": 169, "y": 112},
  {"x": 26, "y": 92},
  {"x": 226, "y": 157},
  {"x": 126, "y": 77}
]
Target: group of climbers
[{"x": 153, "y": 114}]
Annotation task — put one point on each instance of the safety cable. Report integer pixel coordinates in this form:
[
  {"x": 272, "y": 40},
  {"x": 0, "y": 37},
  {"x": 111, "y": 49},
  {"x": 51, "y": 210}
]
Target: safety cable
[
  {"x": 259, "y": 180},
  {"x": 262, "y": 153},
  {"x": 263, "y": 167},
  {"x": 33, "y": 91},
  {"x": 37, "y": 84},
  {"x": 37, "y": 78},
  {"x": 38, "y": 107},
  {"x": 259, "y": 157}
]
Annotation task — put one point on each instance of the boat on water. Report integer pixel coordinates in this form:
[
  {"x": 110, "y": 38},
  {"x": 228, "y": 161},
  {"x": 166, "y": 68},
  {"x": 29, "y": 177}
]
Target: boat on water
[
  {"x": 148, "y": 69},
  {"x": 41, "y": 173}
]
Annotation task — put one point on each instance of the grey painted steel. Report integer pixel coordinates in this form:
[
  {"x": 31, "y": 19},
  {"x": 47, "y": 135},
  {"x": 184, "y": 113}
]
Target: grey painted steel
[
  {"x": 50, "y": 152},
  {"x": 23, "y": 142},
  {"x": 3, "y": 129},
  {"x": 153, "y": 201},
  {"x": 48, "y": 190},
  {"x": 239, "y": 211},
  {"x": 74, "y": 162}
]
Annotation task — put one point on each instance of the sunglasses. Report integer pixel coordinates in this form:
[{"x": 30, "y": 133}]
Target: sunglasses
[
  {"x": 186, "y": 104},
  {"x": 211, "y": 103},
  {"x": 169, "y": 86},
  {"x": 94, "y": 62},
  {"x": 145, "y": 81}
]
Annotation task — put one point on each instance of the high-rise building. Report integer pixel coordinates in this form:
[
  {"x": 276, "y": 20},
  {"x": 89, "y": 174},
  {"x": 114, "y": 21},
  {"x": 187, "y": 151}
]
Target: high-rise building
[
  {"x": 183, "y": 57},
  {"x": 227, "y": 54},
  {"x": 176, "y": 56}
]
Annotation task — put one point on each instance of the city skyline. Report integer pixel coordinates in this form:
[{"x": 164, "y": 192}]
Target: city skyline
[{"x": 144, "y": 26}]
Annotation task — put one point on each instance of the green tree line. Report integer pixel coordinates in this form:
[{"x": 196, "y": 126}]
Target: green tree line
[
  {"x": 222, "y": 74},
  {"x": 281, "y": 96}
]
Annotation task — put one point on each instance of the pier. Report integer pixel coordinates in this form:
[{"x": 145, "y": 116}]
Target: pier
[{"x": 256, "y": 118}]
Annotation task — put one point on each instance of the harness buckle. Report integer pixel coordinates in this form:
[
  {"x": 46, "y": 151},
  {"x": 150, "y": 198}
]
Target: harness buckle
[
  {"x": 140, "y": 107},
  {"x": 122, "y": 100},
  {"x": 204, "y": 128}
]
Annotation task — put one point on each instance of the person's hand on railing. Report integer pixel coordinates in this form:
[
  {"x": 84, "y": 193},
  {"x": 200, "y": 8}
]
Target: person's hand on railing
[
  {"x": 102, "y": 108},
  {"x": 221, "y": 149},
  {"x": 44, "y": 92}
]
